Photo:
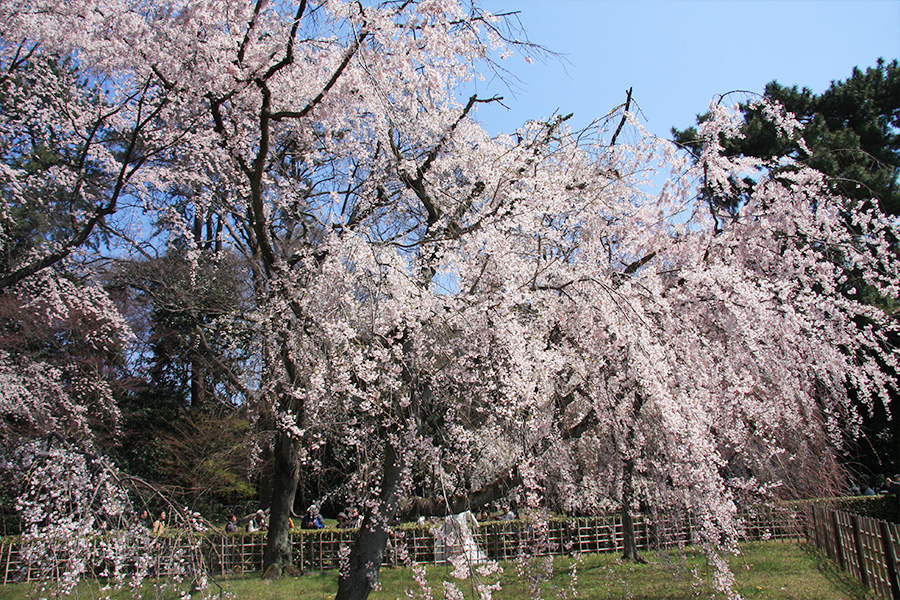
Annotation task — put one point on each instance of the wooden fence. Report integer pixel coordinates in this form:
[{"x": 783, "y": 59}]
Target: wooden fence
[
  {"x": 868, "y": 548},
  {"x": 500, "y": 540}
]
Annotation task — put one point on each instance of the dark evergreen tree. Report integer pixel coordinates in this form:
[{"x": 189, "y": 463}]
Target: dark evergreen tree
[
  {"x": 851, "y": 133},
  {"x": 182, "y": 428}
]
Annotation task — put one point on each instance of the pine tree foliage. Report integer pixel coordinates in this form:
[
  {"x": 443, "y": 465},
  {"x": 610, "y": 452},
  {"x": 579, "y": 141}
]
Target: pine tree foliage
[{"x": 851, "y": 132}]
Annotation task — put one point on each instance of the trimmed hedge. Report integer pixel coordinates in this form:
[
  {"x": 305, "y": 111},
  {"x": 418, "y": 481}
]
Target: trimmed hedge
[{"x": 881, "y": 506}]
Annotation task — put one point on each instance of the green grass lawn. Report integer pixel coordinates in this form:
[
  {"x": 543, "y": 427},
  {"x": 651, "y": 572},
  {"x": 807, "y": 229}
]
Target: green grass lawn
[{"x": 765, "y": 570}]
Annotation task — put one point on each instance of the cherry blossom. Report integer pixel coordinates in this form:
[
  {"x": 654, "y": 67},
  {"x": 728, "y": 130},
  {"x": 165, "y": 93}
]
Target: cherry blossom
[{"x": 466, "y": 315}]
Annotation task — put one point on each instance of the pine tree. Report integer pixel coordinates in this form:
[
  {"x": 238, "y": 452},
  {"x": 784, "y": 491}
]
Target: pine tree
[{"x": 851, "y": 133}]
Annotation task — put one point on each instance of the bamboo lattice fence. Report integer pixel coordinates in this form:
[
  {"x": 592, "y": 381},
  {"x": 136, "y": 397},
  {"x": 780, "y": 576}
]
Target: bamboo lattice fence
[
  {"x": 868, "y": 548},
  {"x": 500, "y": 540}
]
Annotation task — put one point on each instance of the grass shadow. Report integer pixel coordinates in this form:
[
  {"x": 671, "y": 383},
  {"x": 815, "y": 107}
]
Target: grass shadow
[{"x": 838, "y": 578}]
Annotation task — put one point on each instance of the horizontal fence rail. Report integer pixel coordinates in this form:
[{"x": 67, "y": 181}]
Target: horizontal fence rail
[
  {"x": 226, "y": 554},
  {"x": 867, "y": 548}
]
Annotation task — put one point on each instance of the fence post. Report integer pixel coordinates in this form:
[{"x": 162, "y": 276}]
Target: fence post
[
  {"x": 6, "y": 562},
  {"x": 857, "y": 542},
  {"x": 837, "y": 540},
  {"x": 301, "y": 564},
  {"x": 815, "y": 527},
  {"x": 889, "y": 559}
]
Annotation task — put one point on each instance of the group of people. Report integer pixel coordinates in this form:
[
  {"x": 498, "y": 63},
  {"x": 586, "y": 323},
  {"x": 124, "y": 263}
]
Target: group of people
[
  {"x": 348, "y": 518},
  {"x": 890, "y": 485},
  {"x": 156, "y": 526},
  {"x": 312, "y": 519}
]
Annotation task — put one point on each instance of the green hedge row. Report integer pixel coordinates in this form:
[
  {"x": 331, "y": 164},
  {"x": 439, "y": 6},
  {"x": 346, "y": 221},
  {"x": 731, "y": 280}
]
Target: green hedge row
[{"x": 881, "y": 506}]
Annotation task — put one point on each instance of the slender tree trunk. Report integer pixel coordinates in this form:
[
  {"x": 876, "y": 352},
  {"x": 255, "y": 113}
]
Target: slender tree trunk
[
  {"x": 629, "y": 539},
  {"x": 198, "y": 382},
  {"x": 285, "y": 477},
  {"x": 359, "y": 578}
]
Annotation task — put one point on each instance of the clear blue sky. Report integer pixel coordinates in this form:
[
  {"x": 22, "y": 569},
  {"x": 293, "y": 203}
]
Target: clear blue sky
[{"x": 678, "y": 54}]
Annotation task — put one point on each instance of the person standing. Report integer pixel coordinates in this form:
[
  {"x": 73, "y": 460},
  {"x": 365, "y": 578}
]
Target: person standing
[
  {"x": 892, "y": 486},
  {"x": 159, "y": 525},
  {"x": 258, "y": 522}
]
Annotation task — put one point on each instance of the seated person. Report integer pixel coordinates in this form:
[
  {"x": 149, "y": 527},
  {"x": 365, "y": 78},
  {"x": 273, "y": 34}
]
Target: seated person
[
  {"x": 144, "y": 519},
  {"x": 353, "y": 519},
  {"x": 312, "y": 519}
]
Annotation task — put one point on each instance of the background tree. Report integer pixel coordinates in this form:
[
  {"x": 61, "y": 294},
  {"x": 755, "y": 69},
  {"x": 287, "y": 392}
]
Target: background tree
[
  {"x": 851, "y": 133},
  {"x": 205, "y": 459},
  {"x": 179, "y": 390},
  {"x": 72, "y": 147}
]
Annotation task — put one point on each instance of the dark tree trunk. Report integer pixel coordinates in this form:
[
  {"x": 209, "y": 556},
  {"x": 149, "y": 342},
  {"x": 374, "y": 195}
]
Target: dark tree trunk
[
  {"x": 357, "y": 580},
  {"x": 629, "y": 539},
  {"x": 198, "y": 383},
  {"x": 285, "y": 477}
]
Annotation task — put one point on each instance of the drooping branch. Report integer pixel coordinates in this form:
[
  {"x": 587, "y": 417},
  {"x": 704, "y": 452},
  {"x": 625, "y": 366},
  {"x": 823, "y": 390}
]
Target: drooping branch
[
  {"x": 440, "y": 507},
  {"x": 499, "y": 488}
]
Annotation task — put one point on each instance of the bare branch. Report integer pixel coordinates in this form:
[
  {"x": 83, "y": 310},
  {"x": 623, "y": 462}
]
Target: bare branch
[
  {"x": 612, "y": 142},
  {"x": 351, "y": 51}
]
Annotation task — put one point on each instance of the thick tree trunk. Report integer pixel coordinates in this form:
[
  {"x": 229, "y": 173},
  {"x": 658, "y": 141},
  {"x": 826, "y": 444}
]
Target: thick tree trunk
[
  {"x": 285, "y": 477},
  {"x": 361, "y": 575},
  {"x": 629, "y": 539}
]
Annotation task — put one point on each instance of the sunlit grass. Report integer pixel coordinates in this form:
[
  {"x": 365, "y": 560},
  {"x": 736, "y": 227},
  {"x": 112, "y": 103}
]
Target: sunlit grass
[{"x": 764, "y": 570}]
